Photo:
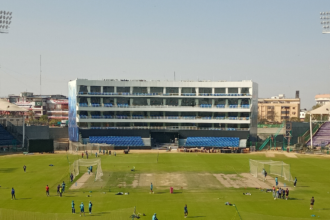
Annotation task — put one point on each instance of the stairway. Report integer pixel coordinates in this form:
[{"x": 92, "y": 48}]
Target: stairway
[{"x": 322, "y": 136}]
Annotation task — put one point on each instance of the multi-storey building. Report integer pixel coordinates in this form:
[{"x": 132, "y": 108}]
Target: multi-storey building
[
  {"x": 322, "y": 99},
  {"x": 162, "y": 110},
  {"x": 54, "y": 106},
  {"x": 279, "y": 108}
]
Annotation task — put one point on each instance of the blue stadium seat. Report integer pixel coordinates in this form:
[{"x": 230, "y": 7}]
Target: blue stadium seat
[
  {"x": 212, "y": 141},
  {"x": 123, "y": 141},
  {"x": 6, "y": 138}
]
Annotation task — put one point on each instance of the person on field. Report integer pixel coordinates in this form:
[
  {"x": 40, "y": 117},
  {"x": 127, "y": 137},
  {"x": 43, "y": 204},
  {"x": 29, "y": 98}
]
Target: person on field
[
  {"x": 72, "y": 206},
  {"x": 274, "y": 193},
  {"x": 115, "y": 153},
  {"x": 13, "y": 193},
  {"x": 61, "y": 190},
  {"x": 276, "y": 181},
  {"x": 312, "y": 203},
  {"x": 283, "y": 193},
  {"x": 63, "y": 186},
  {"x": 90, "y": 207},
  {"x": 95, "y": 154},
  {"x": 295, "y": 181},
  {"x": 279, "y": 193},
  {"x": 82, "y": 209},
  {"x": 154, "y": 217},
  {"x": 24, "y": 168},
  {"x": 265, "y": 175},
  {"x": 58, "y": 189},
  {"x": 185, "y": 211},
  {"x": 151, "y": 188},
  {"x": 71, "y": 177},
  {"x": 82, "y": 155},
  {"x": 47, "y": 190},
  {"x": 287, "y": 193}
]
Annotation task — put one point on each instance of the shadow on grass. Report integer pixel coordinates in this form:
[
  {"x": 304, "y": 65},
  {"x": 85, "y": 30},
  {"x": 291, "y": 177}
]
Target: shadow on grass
[
  {"x": 196, "y": 216},
  {"x": 302, "y": 186},
  {"x": 294, "y": 199},
  {"x": 7, "y": 170},
  {"x": 22, "y": 198},
  {"x": 160, "y": 192}
]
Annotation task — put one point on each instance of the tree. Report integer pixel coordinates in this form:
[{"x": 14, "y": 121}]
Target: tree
[
  {"x": 43, "y": 118},
  {"x": 316, "y": 117},
  {"x": 53, "y": 122},
  {"x": 294, "y": 119}
]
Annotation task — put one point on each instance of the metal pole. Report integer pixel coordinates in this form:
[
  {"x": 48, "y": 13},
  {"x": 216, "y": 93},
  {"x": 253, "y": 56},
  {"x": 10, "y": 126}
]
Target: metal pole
[
  {"x": 311, "y": 130},
  {"x": 23, "y": 142}
]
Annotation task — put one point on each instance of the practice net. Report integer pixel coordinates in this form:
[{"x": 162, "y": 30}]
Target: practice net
[
  {"x": 74, "y": 167},
  {"x": 278, "y": 168}
]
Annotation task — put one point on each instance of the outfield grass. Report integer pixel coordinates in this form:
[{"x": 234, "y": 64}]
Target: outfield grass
[{"x": 203, "y": 202}]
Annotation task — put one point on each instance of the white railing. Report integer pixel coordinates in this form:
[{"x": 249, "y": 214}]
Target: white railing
[
  {"x": 162, "y": 117},
  {"x": 167, "y": 128}
]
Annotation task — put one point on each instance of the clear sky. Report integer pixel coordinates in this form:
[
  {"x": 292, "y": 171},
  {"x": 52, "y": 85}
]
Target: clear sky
[{"x": 278, "y": 44}]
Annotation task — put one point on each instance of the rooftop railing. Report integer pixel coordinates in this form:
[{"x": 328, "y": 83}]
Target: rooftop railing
[
  {"x": 161, "y": 94},
  {"x": 161, "y": 117},
  {"x": 109, "y": 105},
  {"x": 168, "y": 128}
]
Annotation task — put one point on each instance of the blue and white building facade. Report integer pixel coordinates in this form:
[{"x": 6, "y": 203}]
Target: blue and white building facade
[{"x": 162, "y": 110}]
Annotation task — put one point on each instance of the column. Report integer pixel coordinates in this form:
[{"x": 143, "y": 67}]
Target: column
[
  {"x": 115, "y": 89},
  {"x": 239, "y": 90},
  {"x": 179, "y": 102},
  {"x": 197, "y": 91},
  {"x": 101, "y": 89},
  {"x": 88, "y": 124},
  {"x": 101, "y": 101},
  {"x": 115, "y": 101},
  {"x": 131, "y": 101},
  {"x": 212, "y": 90},
  {"x": 213, "y": 101},
  {"x": 226, "y": 90},
  {"x": 164, "y": 90},
  {"x": 164, "y": 101},
  {"x": 148, "y": 101},
  {"x": 226, "y": 103},
  {"x": 197, "y": 102},
  {"x": 88, "y": 88},
  {"x": 180, "y": 91},
  {"x": 88, "y": 100},
  {"x": 148, "y": 89},
  {"x": 131, "y": 89}
]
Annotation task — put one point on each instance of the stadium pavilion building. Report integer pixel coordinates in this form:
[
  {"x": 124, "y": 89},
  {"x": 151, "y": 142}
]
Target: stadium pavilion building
[{"x": 140, "y": 113}]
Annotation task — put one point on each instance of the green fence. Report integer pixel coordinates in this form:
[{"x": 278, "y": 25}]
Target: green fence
[{"x": 269, "y": 126}]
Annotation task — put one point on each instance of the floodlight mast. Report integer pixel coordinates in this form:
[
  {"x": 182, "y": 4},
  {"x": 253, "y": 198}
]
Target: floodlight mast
[{"x": 5, "y": 21}]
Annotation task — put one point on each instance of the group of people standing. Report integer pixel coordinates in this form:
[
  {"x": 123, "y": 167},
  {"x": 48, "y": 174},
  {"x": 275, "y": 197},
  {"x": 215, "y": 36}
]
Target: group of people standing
[
  {"x": 82, "y": 208},
  {"x": 60, "y": 189},
  {"x": 279, "y": 193}
]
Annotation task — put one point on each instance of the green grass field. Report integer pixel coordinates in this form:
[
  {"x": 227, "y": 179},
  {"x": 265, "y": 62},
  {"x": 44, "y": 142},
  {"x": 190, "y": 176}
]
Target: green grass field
[{"x": 203, "y": 194}]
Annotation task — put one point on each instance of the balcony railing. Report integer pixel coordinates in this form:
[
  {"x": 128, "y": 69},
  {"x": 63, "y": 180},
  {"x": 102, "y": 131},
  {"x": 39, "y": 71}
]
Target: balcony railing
[
  {"x": 161, "y": 117},
  {"x": 160, "y": 106},
  {"x": 162, "y": 94},
  {"x": 168, "y": 128}
]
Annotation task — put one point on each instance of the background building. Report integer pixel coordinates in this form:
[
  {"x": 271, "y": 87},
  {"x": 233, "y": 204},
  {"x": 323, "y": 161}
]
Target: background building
[
  {"x": 279, "y": 108},
  {"x": 322, "y": 99},
  {"x": 54, "y": 106},
  {"x": 162, "y": 111}
]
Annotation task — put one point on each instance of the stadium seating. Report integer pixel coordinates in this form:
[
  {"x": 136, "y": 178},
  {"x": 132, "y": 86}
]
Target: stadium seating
[
  {"x": 122, "y": 105},
  {"x": 220, "y": 106},
  {"x": 233, "y": 106},
  {"x": 206, "y": 106},
  {"x": 245, "y": 106},
  {"x": 124, "y": 141},
  {"x": 5, "y": 137},
  {"x": 108, "y": 105},
  {"x": 83, "y": 105},
  {"x": 212, "y": 142}
]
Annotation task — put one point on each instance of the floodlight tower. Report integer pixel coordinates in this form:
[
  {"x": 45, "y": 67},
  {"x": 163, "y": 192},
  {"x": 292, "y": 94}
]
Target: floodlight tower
[
  {"x": 5, "y": 21},
  {"x": 325, "y": 22}
]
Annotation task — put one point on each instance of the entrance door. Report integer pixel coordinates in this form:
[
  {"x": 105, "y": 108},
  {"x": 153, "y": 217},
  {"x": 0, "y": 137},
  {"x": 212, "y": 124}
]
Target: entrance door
[{"x": 164, "y": 137}]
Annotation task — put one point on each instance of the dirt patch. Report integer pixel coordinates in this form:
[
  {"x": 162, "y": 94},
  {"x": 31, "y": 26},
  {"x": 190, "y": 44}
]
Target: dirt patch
[
  {"x": 81, "y": 181},
  {"x": 242, "y": 180},
  {"x": 291, "y": 155},
  {"x": 270, "y": 154},
  {"x": 135, "y": 182},
  {"x": 160, "y": 180}
]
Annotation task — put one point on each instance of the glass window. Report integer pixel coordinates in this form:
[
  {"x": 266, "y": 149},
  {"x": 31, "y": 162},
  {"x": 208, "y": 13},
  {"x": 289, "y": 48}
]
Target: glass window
[
  {"x": 108, "y": 89},
  {"x": 156, "y": 90},
  {"x": 232, "y": 90},
  {"x": 188, "y": 90},
  {"x": 156, "y": 101},
  {"x": 205, "y": 90},
  {"x": 172, "y": 90},
  {"x": 140, "y": 90},
  {"x": 188, "y": 102},
  {"x": 95, "y": 88},
  {"x": 123, "y": 89},
  {"x": 172, "y": 102},
  {"x": 245, "y": 90},
  {"x": 83, "y": 89},
  {"x": 220, "y": 90},
  {"x": 140, "y": 101}
]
